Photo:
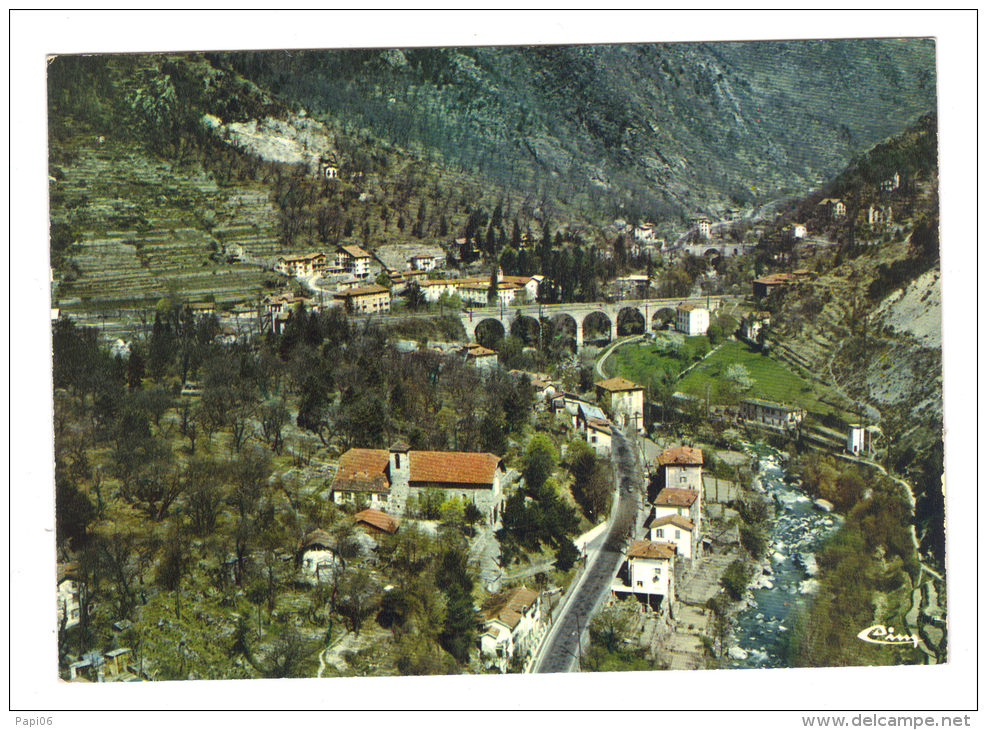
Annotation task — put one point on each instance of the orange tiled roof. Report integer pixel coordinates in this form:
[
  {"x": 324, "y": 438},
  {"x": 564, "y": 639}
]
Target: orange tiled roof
[
  {"x": 678, "y": 520},
  {"x": 774, "y": 279},
  {"x": 358, "y": 291},
  {"x": 618, "y": 384},
  {"x": 508, "y": 606},
  {"x": 453, "y": 467},
  {"x": 356, "y": 252},
  {"x": 681, "y": 456},
  {"x": 362, "y": 470},
  {"x": 649, "y": 549},
  {"x": 375, "y": 518},
  {"x": 675, "y": 497}
]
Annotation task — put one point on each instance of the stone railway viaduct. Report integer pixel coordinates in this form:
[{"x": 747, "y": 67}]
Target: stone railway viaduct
[{"x": 575, "y": 314}]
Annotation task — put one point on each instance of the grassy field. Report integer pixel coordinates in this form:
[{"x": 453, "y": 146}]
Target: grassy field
[
  {"x": 772, "y": 379},
  {"x": 640, "y": 360}
]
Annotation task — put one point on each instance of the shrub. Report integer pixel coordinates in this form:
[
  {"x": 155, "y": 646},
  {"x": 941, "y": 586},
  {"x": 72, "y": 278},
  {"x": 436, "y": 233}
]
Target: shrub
[{"x": 735, "y": 578}]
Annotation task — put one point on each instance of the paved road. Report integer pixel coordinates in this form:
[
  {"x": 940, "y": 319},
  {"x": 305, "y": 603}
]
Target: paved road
[{"x": 559, "y": 651}]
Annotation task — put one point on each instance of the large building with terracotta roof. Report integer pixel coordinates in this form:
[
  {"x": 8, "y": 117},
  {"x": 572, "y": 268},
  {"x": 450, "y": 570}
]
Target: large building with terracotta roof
[
  {"x": 624, "y": 400},
  {"x": 369, "y": 299},
  {"x": 512, "y": 625},
  {"x": 388, "y": 478}
]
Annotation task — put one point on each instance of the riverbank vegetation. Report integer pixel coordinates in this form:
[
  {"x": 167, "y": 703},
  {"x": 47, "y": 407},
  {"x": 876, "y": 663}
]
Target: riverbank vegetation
[{"x": 867, "y": 570}]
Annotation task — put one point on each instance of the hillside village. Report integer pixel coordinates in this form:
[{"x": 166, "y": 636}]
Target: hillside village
[{"x": 315, "y": 415}]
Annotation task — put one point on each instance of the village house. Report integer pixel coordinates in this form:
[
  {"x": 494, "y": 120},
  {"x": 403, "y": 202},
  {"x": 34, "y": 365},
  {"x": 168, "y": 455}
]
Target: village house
[
  {"x": 753, "y": 324},
  {"x": 891, "y": 184},
  {"x": 361, "y": 476},
  {"x": 389, "y": 478},
  {"x": 595, "y": 428},
  {"x": 566, "y": 406},
  {"x": 96, "y": 666},
  {"x": 677, "y": 530},
  {"x": 691, "y": 319},
  {"x": 704, "y": 226},
  {"x": 682, "y": 467},
  {"x": 422, "y": 262},
  {"x": 648, "y": 574},
  {"x": 355, "y": 261},
  {"x": 797, "y": 231},
  {"x": 624, "y": 400},
  {"x": 833, "y": 208},
  {"x": 376, "y": 523},
  {"x": 770, "y": 413},
  {"x": 478, "y": 356},
  {"x": 599, "y": 435},
  {"x": 328, "y": 166},
  {"x": 644, "y": 232},
  {"x": 676, "y": 501},
  {"x": 478, "y": 292},
  {"x": 278, "y": 307},
  {"x": 316, "y": 557},
  {"x": 370, "y": 299},
  {"x": 878, "y": 214},
  {"x": 764, "y": 285},
  {"x": 511, "y": 627},
  {"x": 69, "y": 595},
  {"x": 635, "y": 286},
  {"x": 301, "y": 266}
]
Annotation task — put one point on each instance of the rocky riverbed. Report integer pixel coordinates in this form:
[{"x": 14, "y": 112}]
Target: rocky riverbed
[{"x": 785, "y": 578}]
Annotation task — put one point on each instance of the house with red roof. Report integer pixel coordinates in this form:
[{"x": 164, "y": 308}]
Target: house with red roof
[
  {"x": 681, "y": 502},
  {"x": 677, "y": 530},
  {"x": 648, "y": 574},
  {"x": 388, "y": 478},
  {"x": 511, "y": 627},
  {"x": 682, "y": 467},
  {"x": 624, "y": 400}
]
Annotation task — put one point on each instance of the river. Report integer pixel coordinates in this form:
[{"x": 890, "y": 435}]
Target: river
[{"x": 783, "y": 581}]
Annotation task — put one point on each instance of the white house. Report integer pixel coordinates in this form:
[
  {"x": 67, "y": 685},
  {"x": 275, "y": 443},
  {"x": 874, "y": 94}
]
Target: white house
[
  {"x": 683, "y": 468},
  {"x": 625, "y": 401},
  {"x": 856, "y": 439},
  {"x": 681, "y": 502},
  {"x": 753, "y": 324},
  {"x": 797, "y": 231},
  {"x": 512, "y": 626},
  {"x": 678, "y": 530},
  {"x": 649, "y": 573},
  {"x": 356, "y": 261},
  {"x": 892, "y": 183},
  {"x": 594, "y": 427},
  {"x": 317, "y": 559},
  {"x": 478, "y": 356},
  {"x": 421, "y": 262},
  {"x": 704, "y": 226},
  {"x": 307, "y": 265},
  {"x": 69, "y": 595},
  {"x": 834, "y": 207},
  {"x": 691, "y": 319}
]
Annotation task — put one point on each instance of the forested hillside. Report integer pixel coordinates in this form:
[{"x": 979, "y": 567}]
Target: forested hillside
[{"x": 653, "y": 130}]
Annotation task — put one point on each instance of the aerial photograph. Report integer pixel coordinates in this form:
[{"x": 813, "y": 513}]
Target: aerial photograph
[{"x": 376, "y": 362}]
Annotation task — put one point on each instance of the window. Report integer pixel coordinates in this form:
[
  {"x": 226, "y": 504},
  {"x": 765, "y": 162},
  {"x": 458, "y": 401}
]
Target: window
[
  {"x": 397, "y": 461},
  {"x": 683, "y": 478},
  {"x": 678, "y": 534},
  {"x": 659, "y": 533},
  {"x": 640, "y": 584}
]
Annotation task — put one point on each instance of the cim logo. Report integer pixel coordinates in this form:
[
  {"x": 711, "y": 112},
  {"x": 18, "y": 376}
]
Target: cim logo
[{"x": 879, "y": 634}]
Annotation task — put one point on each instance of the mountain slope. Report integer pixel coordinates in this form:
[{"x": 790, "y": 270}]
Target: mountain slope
[{"x": 658, "y": 129}]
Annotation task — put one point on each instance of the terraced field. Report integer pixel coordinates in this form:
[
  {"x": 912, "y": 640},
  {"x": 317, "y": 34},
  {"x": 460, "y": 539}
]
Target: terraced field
[{"x": 145, "y": 229}]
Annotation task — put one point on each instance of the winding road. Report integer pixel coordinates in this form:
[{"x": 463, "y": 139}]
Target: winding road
[{"x": 561, "y": 647}]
